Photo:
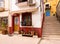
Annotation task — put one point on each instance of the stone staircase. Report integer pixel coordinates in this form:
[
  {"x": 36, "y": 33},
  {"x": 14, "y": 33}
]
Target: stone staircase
[{"x": 51, "y": 28}]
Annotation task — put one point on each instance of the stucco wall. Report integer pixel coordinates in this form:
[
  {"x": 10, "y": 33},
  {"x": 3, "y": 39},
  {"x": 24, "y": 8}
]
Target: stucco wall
[
  {"x": 36, "y": 16},
  {"x": 53, "y": 4},
  {"x": 10, "y": 21},
  {"x": 37, "y": 19},
  {"x": 14, "y": 7},
  {"x": 4, "y": 14},
  {"x": 7, "y": 4}
]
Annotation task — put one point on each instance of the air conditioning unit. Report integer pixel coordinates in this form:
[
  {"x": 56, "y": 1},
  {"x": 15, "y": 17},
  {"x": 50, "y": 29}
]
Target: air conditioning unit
[{"x": 31, "y": 2}]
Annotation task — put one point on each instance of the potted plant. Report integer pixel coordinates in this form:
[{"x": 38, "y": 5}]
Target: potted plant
[{"x": 4, "y": 31}]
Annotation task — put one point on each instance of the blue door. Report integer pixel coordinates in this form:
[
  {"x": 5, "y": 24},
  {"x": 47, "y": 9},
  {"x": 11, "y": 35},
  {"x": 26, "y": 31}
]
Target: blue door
[{"x": 47, "y": 12}]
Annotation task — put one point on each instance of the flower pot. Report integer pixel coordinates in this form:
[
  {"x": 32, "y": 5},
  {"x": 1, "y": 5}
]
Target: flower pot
[{"x": 4, "y": 32}]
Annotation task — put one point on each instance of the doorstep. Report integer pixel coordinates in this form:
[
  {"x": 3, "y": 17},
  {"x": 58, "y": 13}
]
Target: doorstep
[{"x": 18, "y": 39}]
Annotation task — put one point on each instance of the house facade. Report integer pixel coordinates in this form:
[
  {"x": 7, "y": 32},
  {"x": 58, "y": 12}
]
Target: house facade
[
  {"x": 26, "y": 15},
  {"x": 53, "y": 4}
]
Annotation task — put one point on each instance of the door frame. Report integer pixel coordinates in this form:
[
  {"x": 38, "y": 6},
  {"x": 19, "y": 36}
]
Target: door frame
[{"x": 14, "y": 15}]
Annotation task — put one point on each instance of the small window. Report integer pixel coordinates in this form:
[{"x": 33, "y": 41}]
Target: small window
[
  {"x": 3, "y": 23},
  {"x": 47, "y": 5},
  {"x": 1, "y": 3},
  {"x": 26, "y": 19},
  {"x": 21, "y": 1}
]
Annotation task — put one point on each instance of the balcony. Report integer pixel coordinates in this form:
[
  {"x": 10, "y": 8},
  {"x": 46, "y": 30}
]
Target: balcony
[
  {"x": 25, "y": 3},
  {"x": 27, "y": 9}
]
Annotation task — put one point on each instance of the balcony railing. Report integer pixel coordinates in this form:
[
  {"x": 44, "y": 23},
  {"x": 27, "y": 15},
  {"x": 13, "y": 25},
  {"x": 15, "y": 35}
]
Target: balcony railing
[
  {"x": 27, "y": 9},
  {"x": 26, "y": 3}
]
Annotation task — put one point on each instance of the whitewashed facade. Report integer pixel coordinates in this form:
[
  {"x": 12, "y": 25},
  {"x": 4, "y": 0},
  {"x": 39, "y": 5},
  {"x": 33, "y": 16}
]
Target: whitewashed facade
[{"x": 12, "y": 7}]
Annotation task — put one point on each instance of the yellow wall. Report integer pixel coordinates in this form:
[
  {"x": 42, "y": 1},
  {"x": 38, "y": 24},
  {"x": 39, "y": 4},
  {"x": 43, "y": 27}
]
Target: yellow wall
[{"x": 53, "y": 4}]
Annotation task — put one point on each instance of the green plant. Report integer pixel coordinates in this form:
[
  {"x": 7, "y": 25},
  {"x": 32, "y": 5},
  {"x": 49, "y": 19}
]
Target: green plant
[{"x": 3, "y": 25}]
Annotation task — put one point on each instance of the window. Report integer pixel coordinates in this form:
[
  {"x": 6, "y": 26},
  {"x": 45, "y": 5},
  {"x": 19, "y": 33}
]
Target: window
[
  {"x": 3, "y": 22},
  {"x": 47, "y": 5},
  {"x": 21, "y": 1},
  {"x": 26, "y": 19},
  {"x": 1, "y": 3}
]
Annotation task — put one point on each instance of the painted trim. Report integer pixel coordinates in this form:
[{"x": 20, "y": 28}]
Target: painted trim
[
  {"x": 11, "y": 29},
  {"x": 37, "y": 30},
  {"x": 42, "y": 18}
]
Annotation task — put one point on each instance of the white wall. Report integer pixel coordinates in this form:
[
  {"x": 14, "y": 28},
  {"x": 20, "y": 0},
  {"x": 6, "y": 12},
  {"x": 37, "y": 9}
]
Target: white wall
[
  {"x": 10, "y": 21},
  {"x": 7, "y": 4},
  {"x": 13, "y": 6},
  {"x": 36, "y": 16},
  {"x": 37, "y": 19},
  {"x": 4, "y": 14}
]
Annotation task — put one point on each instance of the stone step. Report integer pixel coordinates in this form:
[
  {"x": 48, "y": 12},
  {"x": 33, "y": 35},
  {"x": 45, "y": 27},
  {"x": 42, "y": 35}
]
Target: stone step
[
  {"x": 51, "y": 37},
  {"x": 51, "y": 33},
  {"x": 51, "y": 26}
]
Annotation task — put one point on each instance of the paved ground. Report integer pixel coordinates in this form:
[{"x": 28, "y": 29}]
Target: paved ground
[
  {"x": 18, "y": 39},
  {"x": 50, "y": 41}
]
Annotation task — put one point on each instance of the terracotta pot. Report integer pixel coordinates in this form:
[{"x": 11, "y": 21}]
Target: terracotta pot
[{"x": 4, "y": 32}]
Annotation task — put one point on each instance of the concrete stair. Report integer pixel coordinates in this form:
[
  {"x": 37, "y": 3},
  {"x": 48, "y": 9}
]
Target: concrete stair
[{"x": 51, "y": 27}]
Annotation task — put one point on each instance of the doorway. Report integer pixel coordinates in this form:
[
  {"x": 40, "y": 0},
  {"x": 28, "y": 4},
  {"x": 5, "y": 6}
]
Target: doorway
[
  {"x": 47, "y": 12},
  {"x": 15, "y": 22}
]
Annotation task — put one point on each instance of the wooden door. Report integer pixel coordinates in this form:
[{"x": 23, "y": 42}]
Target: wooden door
[{"x": 16, "y": 23}]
